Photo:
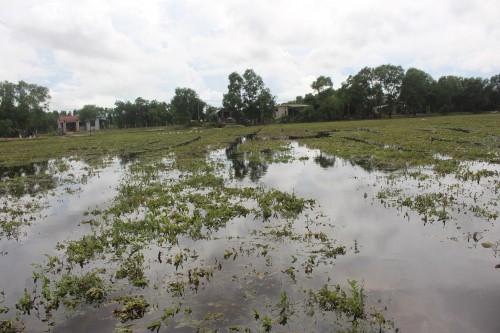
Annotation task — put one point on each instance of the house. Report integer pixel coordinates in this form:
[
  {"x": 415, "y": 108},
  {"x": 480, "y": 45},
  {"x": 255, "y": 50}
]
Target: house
[
  {"x": 224, "y": 116},
  {"x": 73, "y": 124},
  {"x": 288, "y": 110}
]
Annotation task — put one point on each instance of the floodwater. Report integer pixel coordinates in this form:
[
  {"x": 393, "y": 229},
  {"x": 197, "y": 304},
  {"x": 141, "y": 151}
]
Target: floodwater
[
  {"x": 434, "y": 283},
  {"x": 431, "y": 277}
]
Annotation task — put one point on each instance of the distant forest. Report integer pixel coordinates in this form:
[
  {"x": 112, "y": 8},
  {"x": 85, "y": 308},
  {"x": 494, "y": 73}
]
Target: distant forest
[{"x": 383, "y": 91}]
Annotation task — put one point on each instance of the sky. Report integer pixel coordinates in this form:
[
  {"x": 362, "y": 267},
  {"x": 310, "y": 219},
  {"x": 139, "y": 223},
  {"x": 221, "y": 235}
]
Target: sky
[{"x": 100, "y": 51}]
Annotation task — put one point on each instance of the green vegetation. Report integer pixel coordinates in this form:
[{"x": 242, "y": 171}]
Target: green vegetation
[
  {"x": 180, "y": 226},
  {"x": 384, "y": 91},
  {"x": 248, "y": 98},
  {"x": 24, "y": 109}
]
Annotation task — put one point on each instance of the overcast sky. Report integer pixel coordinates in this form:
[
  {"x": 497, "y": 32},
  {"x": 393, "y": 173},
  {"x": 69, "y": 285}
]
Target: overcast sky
[{"x": 97, "y": 52}]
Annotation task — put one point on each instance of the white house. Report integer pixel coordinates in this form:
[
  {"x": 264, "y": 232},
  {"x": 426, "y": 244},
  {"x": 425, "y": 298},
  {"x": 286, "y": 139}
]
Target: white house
[{"x": 288, "y": 110}]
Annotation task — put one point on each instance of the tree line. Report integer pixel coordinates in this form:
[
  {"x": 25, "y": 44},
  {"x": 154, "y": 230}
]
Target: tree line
[
  {"x": 385, "y": 90},
  {"x": 388, "y": 89},
  {"x": 24, "y": 109}
]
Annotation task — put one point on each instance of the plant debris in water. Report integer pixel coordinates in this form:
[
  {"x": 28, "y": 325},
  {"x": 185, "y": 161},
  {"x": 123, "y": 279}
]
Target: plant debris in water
[{"x": 181, "y": 230}]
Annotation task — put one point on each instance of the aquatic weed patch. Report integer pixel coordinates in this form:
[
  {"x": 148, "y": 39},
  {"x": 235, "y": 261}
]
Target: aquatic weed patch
[
  {"x": 400, "y": 143},
  {"x": 443, "y": 197},
  {"x": 154, "y": 237},
  {"x": 186, "y": 244}
]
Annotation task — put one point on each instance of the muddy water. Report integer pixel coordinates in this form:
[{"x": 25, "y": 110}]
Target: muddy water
[{"x": 431, "y": 277}]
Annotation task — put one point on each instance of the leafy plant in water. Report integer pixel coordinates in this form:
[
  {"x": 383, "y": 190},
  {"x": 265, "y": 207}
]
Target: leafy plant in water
[
  {"x": 26, "y": 303},
  {"x": 10, "y": 326},
  {"x": 349, "y": 306},
  {"x": 267, "y": 324},
  {"x": 83, "y": 250},
  {"x": 133, "y": 270},
  {"x": 338, "y": 301},
  {"x": 89, "y": 287},
  {"x": 134, "y": 307},
  {"x": 285, "y": 310}
]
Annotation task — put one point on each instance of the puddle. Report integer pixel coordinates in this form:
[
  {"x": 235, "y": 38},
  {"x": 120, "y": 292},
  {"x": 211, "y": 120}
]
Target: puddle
[{"x": 430, "y": 276}]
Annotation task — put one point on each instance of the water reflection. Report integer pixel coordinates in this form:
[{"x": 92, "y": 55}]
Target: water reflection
[
  {"x": 28, "y": 179},
  {"x": 128, "y": 157},
  {"x": 57, "y": 220},
  {"x": 256, "y": 167},
  {"x": 435, "y": 278},
  {"x": 23, "y": 170},
  {"x": 325, "y": 161},
  {"x": 244, "y": 167},
  {"x": 434, "y": 284}
]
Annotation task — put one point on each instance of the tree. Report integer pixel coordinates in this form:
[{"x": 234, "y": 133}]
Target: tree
[
  {"x": 23, "y": 108},
  {"x": 265, "y": 105},
  {"x": 330, "y": 108},
  {"x": 327, "y": 104},
  {"x": 211, "y": 113},
  {"x": 448, "y": 90},
  {"x": 248, "y": 97},
  {"x": 362, "y": 93},
  {"x": 322, "y": 83},
  {"x": 233, "y": 100},
  {"x": 473, "y": 94},
  {"x": 158, "y": 113},
  {"x": 186, "y": 106},
  {"x": 416, "y": 89},
  {"x": 493, "y": 92},
  {"x": 89, "y": 112},
  {"x": 389, "y": 78}
]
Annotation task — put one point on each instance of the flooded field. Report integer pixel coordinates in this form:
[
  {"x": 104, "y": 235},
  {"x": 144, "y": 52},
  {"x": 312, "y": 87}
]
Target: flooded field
[{"x": 273, "y": 232}]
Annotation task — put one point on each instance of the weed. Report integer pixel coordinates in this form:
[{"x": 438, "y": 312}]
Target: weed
[{"x": 134, "y": 307}]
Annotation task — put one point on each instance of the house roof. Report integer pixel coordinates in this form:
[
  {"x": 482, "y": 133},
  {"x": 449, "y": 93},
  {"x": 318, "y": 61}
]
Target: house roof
[
  {"x": 68, "y": 119},
  {"x": 293, "y": 105}
]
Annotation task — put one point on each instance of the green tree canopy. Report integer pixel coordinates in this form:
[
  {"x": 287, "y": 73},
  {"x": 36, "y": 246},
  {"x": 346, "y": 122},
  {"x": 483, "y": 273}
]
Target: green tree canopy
[
  {"x": 89, "y": 112},
  {"x": 141, "y": 113},
  {"x": 23, "y": 108},
  {"x": 415, "y": 90},
  {"x": 248, "y": 97},
  {"x": 362, "y": 92},
  {"x": 322, "y": 83},
  {"x": 493, "y": 92},
  {"x": 186, "y": 106},
  {"x": 389, "y": 79},
  {"x": 473, "y": 95},
  {"x": 448, "y": 90},
  {"x": 232, "y": 101}
]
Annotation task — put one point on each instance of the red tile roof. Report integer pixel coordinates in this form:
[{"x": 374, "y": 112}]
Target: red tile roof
[{"x": 68, "y": 119}]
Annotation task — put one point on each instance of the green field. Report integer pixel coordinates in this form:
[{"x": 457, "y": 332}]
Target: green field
[{"x": 386, "y": 143}]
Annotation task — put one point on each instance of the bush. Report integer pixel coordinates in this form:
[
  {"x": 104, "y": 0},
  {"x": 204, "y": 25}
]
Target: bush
[{"x": 6, "y": 129}]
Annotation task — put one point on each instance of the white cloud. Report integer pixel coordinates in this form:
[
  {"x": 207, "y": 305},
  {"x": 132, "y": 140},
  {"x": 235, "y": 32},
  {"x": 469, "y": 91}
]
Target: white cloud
[{"x": 100, "y": 51}]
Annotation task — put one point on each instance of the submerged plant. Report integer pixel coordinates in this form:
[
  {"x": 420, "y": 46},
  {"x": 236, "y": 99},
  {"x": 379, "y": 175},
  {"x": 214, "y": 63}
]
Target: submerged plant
[{"x": 134, "y": 307}]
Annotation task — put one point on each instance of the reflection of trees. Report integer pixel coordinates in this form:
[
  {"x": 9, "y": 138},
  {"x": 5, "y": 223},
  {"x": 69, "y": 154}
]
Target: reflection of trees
[
  {"x": 325, "y": 161},
  {"x": 365, "y": 163},
  {"x": 26, "y": 179},
  {"x": 127, "y": 158},
  {"x": 244, "y": 167},
  {"x": 257, "y": 170},
  {"x": 24, "y": 170}
]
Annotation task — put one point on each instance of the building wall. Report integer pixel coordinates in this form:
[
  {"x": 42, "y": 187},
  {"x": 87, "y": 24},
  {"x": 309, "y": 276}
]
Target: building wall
[{"x": 282, "y": 111}]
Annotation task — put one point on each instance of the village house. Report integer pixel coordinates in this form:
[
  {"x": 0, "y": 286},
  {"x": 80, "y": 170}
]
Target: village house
[
  {"x": 288, "y": 110},
  {"x": 73, "y": 124},
  {"x": 224, "y": 116}
]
